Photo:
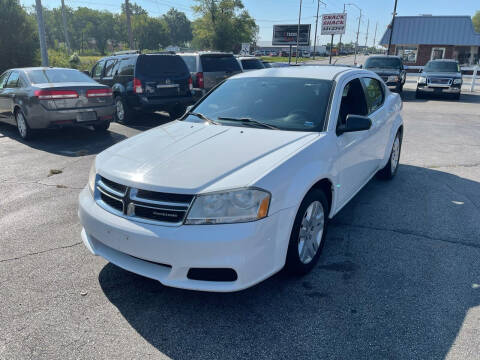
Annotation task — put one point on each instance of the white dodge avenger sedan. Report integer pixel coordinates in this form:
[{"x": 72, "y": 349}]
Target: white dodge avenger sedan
[{"x": 245, "y": 182}]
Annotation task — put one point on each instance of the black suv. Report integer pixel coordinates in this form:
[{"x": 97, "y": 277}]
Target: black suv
[
  {"x": 389, "y": 68},
  {"x": 146, "y": 82}
]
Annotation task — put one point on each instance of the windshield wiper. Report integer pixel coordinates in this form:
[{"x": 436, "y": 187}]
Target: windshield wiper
[
  {"x": 203, "y": 117},
  {"x": 246, "y": 120}
]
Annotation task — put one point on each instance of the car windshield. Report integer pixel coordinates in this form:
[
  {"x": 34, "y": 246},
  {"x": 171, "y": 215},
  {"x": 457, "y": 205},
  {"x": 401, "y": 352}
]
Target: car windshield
[
  {"x": 212, "y": 63},
  {"x": 383, "y": 63},
  {"x": 251, "y": 64},
  {"x": 442, "y": 66},
  {"x": 302, "y": 107},
  {"x": 159, "y": 65},
  {"x": 45, "y": 76}
]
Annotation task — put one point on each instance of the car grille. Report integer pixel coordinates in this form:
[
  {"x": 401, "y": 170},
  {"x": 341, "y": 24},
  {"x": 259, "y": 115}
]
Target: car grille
[
  {"x": 439, "y": 81},
  {"x": 142, "y": 205}
]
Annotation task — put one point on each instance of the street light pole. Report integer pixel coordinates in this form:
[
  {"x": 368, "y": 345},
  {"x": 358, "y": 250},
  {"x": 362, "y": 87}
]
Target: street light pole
[
  {"x": 298, "y": 30},
  {"x": 340, "y": 47},
  {"x": 391, "y": 30},
  {"x": 41, "y": 32},
  {"x": 316, "y": 25}
]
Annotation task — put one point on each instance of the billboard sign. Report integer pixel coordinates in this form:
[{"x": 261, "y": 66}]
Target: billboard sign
[
  {"x": 333, "y": 24},
  {"x": 287, "y": 35}
]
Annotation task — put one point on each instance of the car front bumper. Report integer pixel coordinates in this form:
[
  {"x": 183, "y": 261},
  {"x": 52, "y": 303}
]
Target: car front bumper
[
  {"x": 439, "y": 89},
  {"x": 41, "y": 118},
  {"x": 254, "y": 250}
]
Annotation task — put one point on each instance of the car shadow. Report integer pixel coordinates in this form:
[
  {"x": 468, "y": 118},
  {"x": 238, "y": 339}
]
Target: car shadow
[
  {"x": 408, "y": 95},
  {"x": 395, "y": 281},
  {"x": 145, "y": 121}
]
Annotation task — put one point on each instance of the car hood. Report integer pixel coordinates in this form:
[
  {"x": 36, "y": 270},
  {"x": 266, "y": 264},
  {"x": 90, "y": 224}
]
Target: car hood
[
  {"x": 185, "y": 157},
  {"x": 380, "y": 71},
  {"x": 442, "y": 74}
]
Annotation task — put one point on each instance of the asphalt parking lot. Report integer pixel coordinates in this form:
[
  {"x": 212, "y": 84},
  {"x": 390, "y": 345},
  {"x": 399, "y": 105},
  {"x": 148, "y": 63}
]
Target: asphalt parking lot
[{"x": 399, "y": 277}]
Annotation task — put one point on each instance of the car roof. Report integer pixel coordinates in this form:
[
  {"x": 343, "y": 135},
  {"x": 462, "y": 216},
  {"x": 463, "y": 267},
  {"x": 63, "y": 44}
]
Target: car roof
[
  {"x": 204, "y": 53},
  {"x": 385, "y": 56},
  {"x": 41, "y": 68},
  {"x": 313, "y": 72}
]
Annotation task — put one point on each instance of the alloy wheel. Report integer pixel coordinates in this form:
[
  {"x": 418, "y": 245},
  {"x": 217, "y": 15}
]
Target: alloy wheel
[
  {"x": 120, "y": 110},
  {"x": 395, "y": 154},
  {"x": 21, "y": 125},
  {"x": 311, "y": 232}
]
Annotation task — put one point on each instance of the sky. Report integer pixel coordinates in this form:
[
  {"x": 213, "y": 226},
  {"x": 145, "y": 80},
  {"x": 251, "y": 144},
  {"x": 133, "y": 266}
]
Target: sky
[{"x": 268, "y": 12}]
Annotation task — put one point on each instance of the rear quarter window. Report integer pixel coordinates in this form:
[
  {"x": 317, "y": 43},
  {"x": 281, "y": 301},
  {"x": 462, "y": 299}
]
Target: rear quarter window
[
  {"x": 213, "y": 63},
  {"x": 157, "y": 65},
  {"x": 191, "y": 62}
]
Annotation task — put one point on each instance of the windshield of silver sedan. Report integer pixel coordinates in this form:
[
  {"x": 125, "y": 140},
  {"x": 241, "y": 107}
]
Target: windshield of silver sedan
[{"x": 284, "y": 103}]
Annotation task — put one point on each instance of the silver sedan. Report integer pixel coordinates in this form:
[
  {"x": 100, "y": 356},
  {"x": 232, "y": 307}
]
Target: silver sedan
[{"x": 39, "y": 98}]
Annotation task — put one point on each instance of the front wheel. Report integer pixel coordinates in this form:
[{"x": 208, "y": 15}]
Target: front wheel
[
  {"x": 308, "y": 233},
  {"x": 389, "y": 171},
  {"x": 102, "y": 126}
]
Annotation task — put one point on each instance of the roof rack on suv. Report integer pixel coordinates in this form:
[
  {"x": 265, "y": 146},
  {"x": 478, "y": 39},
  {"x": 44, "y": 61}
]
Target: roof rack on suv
[{"x": 125, "y": 52}]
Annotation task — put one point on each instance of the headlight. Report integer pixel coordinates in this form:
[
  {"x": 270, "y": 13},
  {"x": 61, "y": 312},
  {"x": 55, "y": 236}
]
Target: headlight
[
  {"x": 91, "y": 178},
  {"x": 392, "y": 78},
  {"x": 228, "y": 207},
  {"x": 422, "y": 80},
  {"x": 457, "y": 81}
]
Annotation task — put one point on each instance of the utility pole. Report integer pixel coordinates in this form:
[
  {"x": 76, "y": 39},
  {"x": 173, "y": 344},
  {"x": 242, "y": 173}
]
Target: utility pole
[
  {"x": 356, "y": 41},
  {"x": 129, "y": 25},
  {"x": 340, "y": 48},
  {"x": 298, "y": 30},
  {"x": 366, "y": 36},
  {"x": 316, "y": 25},
  {"x": 65, "y": 32},
  {"x": 391, "y": 28},
  {"x": 375, "y": 37},
  {"x": 41, "y": 32}
]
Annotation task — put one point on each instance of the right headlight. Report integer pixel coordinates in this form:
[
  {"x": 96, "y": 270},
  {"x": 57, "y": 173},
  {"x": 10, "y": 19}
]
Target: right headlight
[
  {"x": 422, "y": 80},
  {"x": 91, "y": 178},
  {"x": 457, "y": 81},
  {"x": 227, "y": 207}
]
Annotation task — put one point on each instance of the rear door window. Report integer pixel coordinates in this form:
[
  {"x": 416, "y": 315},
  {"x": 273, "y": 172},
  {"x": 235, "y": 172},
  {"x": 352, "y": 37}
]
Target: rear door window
[
  {"x": 98, "y": 69},
  {"x": 127, "y": 65},
  {"x": 226, "y": 63},
  {"x": 109, "y": 65},
  {"x": 191, "y": 62},
  {"x": 13, "y": 80},
  {"x": 373, "y": 93},
  {"x": 159, "y": 65}
]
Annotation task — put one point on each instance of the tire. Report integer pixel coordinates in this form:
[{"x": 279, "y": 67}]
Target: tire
[
  {"x": 389, "y": 171},
  {"x": 102, "y": 127},
  {"x": 418, "y": 95},
  {"x": 22, "y": 126},
  {"x": 301, "y": 257},
  {"x": 123, "y": 114},
  {"x": 400, "y": 88},
  {"x": 456, "y": 96},
  {"x": 177, "y": 111}
]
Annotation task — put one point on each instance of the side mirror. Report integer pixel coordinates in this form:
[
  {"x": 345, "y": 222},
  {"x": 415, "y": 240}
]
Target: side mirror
[
  {"x": 355, "y": 123},
  {"x": 361, "y": 66}
]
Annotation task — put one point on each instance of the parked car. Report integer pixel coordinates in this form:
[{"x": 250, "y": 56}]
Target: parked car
[
  {"x": 249, "y": 63},
  {"x": 440, "y": 77},
  {"x": 40, "y": 97},
  {"x": 146, "y": 82},
  {"x": 243, "y": 184},
  {"x": 390, "y": 68},
  {"x": 209, "y": 68}
]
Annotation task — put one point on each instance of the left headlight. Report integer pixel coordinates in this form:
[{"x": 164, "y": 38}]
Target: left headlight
[
  {"x": 91, "y": 178},
  {"x": 226, "y": 207},
  {"x": 457, "y": 81}
]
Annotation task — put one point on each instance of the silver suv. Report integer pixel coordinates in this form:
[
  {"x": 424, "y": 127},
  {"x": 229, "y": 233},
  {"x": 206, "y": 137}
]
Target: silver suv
[{"x": 209, "y": 68}]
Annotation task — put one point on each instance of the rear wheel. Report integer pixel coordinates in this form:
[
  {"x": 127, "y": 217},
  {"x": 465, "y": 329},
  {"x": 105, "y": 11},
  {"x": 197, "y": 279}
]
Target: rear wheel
[
  {"x": 123, "y": 114},
  {"x": 308, "y": 233},
  {"x": 102, "y": 126},
  {"x": 389, "y": 171},
  {"x": 22, "y": 126}
]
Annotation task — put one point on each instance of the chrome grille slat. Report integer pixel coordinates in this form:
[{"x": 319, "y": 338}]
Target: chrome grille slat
[{"x": 149, "y": 207}]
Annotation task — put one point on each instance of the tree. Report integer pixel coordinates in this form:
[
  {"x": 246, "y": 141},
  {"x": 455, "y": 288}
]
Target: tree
[
  {"x": 178, "y": 26},
  {"x": 222, "y": 25},
  {"x": 476, "y": 21},
  {"x": 19, "y": 36}
]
